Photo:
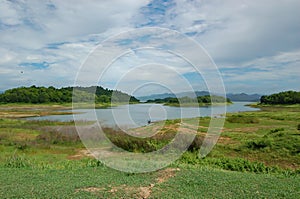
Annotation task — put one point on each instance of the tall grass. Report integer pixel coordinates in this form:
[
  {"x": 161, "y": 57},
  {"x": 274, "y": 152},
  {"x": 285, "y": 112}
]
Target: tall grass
[
  {"x": 135, "y": 144},
  {"x": 17, "y": 161},
  {"x": 61, "y": 135},
  {"x": 233, "y": 164},
  {"x": 242, "y": 119}
]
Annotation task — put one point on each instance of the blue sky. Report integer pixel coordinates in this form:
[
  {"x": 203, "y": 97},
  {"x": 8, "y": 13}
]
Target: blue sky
[{"x": 255, "y": 44}]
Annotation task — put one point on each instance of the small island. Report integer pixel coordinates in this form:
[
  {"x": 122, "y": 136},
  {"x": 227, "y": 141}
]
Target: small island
[{"x": 207, "y": 100}]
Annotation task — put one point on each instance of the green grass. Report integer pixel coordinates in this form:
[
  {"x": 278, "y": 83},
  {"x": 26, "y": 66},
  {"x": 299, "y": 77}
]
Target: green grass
[
  {"x": 208, "y": 183},
  {"x": 108, "y": 183},
  {"x": 65, "y": 183}
]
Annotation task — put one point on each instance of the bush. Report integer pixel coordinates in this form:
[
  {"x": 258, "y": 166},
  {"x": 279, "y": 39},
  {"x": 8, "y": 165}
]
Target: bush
[
  {"x": 197, "y": 143},
  {"x": 298, "y": 127}
]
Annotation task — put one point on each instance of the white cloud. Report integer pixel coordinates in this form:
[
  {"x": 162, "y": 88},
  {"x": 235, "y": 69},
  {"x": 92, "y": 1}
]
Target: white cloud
[
  {"x": 28, "y": 27},
  {"x": 249, "y": 40}
]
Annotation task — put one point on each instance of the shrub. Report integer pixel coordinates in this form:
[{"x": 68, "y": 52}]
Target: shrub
[
  {"x": 197, "y": 143},
  {"x": 298, "y": 127}
]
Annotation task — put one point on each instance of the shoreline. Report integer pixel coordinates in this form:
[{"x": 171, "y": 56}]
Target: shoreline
[{"x": 18, "y": 111}]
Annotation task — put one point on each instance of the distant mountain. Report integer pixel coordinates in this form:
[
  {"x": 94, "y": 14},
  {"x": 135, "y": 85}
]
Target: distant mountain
[
  {"x": 155, "y": 96},
  {"x": 243, "y": 97},
  {"x": 192, "y": 94},
  {"x": 233, "y": 97}
]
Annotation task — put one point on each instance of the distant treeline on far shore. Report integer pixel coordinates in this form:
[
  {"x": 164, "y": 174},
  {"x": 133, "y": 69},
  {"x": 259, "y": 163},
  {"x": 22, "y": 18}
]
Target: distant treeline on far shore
[
  {"x": 38, "y": 95},
  {"x": 207, "y": 99},
  {"x": 98, "y": 94}
]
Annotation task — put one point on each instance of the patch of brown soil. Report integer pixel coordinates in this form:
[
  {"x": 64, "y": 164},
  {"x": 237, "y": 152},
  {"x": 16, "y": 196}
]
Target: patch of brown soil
[
  {"x": 144, "y": 132},
  {"x": 244, "y": 129},
  {"x": 145, "y": 192},
  {"x": 164, "y": 175},
  {"x": 226, "y": 140},
  {"x": 90, "y": 189},
  {"x": 136, "y": 192},
  {"x": 17, "y": 115},
  {"x": 80, "y": 154}
]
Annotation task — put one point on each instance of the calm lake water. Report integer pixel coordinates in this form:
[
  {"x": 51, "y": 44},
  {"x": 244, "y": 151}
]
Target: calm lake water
[{"x": 138, "y": 114}]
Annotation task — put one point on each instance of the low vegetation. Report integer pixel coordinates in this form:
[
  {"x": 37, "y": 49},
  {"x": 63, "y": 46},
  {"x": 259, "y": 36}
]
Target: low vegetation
[{"x": 257, "y": 156}]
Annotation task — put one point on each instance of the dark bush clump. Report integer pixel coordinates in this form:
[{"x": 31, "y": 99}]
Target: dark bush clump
[
  {"x": 259, "y": 144},
  {"x": 276, "y": 130}
]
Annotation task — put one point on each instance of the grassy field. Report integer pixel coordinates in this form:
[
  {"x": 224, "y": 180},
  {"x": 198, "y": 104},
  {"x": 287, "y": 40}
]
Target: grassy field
[
  {"x": 257, "y": 156},
  {"x": 102, "y": 182}
]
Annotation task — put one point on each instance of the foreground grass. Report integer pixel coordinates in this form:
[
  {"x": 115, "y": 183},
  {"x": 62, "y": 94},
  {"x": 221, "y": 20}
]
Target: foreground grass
[{"x": 102, "y": 182}]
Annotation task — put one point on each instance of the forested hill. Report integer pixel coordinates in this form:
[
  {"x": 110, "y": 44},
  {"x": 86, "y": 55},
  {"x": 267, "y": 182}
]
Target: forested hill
[
  {"x": 287, "y": 97},
  {"x": 36, "y": 95}
]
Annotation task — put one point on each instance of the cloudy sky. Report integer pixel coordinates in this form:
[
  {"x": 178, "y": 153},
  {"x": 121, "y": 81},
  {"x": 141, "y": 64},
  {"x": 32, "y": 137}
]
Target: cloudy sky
[{"x": 255, "y": 44}]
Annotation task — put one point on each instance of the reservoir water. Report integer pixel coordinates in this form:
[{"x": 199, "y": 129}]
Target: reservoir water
[{"x": 135, "y": 115}]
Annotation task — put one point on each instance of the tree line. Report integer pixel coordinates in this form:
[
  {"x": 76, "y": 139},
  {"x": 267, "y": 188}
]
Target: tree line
[
  {"x": 38, "y": 95},
  {"x": 287, "y": 97},
  {"x": 207, "y": 99}
]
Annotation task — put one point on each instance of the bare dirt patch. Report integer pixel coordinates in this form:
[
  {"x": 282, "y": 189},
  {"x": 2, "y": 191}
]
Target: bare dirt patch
[
  {"x": 164, "y": 175},
  {"x": 226, "y": 140},
  {"x": 90, "y": 189},
  {"x": 142, "y": 192},
  {"x": 30, "y": 110},
  {"x": 244, "y": 129},
  {"x": 82, "y": 153}
]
